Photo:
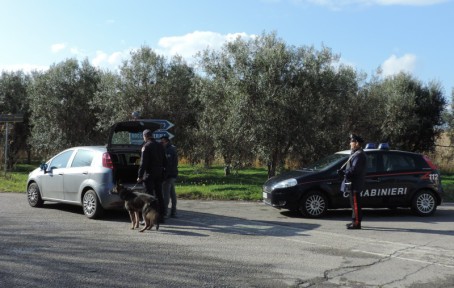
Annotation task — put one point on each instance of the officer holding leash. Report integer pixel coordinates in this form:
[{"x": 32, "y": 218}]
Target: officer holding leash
[
  {"x": 354, "y": 173},
  {"x": 151, "y": 170}
]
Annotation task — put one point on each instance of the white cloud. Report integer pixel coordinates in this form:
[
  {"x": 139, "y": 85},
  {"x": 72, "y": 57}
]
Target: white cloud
[
  {"x": 99, "y": 58},
  {"x": 110, "y": 61},
  {"x": 185, "y": 46},
  {"x": 76, "y": 51},
  {"x": 394, "y": 65},
  {"x": 188, "y": 45},
  {"x": 57, "y": 47},
  {"x": 115, "y": 58},
  {"x": 26, "y": 68}
]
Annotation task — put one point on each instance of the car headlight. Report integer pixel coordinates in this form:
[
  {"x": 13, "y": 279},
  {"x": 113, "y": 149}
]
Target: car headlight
[{"x": 284, "y": 184}]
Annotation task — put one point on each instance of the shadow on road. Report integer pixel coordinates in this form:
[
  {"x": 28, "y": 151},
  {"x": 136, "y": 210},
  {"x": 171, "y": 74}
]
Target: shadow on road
[{"x": 193, "y": 223}]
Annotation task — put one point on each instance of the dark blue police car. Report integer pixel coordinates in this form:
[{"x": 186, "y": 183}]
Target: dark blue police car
[{"x": 394, "y": 179}]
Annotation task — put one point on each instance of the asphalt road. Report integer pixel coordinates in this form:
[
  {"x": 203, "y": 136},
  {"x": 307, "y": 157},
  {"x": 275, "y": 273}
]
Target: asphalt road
[{"x": 223, "y": 244}]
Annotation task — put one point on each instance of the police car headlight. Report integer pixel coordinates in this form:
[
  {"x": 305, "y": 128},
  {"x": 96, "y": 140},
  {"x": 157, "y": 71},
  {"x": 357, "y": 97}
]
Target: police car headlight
[{"x": 285, "y": 184}]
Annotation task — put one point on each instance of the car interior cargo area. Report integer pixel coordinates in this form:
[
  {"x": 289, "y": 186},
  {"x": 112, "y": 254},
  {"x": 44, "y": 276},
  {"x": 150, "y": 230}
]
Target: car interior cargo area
[{"x": 126, "y": 167}]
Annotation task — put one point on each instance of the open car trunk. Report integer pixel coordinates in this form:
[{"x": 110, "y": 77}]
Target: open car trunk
[{"x": 124, "y": 147}]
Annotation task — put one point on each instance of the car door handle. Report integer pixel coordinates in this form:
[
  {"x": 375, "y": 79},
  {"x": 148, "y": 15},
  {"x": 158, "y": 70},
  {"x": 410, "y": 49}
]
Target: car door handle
[
  {"x": 85, "y": 172},
  {"x": 376, "y": 180}
]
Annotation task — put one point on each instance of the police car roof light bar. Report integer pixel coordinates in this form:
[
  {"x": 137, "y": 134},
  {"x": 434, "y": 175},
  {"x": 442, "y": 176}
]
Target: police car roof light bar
[
  {"x": 383, "y": 146},
  {"x": 370, "y": 146}
]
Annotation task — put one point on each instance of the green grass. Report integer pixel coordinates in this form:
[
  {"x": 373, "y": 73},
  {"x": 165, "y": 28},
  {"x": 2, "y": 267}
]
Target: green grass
[
  {"x": 194, "y": 182},
  {"x": 15, "y": 181},
  {"x": 197, "y": 182},
  {"x": 447, "y": 181}
]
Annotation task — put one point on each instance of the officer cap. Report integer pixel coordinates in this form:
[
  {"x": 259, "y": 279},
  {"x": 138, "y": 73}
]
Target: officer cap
[
  {"x": 147, "y": 133},
  {"x": 356, "y": 138}
]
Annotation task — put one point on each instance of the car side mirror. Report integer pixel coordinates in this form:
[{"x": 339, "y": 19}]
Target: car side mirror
[{"x": 43, "y": 167}]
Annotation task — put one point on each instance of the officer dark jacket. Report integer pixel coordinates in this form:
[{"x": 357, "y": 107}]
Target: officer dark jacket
[
  {"x": 172, "y": 161},
  {"x": 355, "y": 171},
  {"x": 153, "y": 160}
]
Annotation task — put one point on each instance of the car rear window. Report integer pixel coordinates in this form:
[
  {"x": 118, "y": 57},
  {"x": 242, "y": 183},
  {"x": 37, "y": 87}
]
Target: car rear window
[{"x": 127, "y": 138}]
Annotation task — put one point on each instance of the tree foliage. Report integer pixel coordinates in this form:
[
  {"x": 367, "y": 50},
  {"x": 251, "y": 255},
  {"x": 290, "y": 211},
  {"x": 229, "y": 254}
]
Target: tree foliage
[
  {"x": 154, "y": 87},
  {"x": 61, "y": 115},
  {"x": 263, "y": 98},
  {"x": 13, "y": 100},
  {"x": 413, "y": 113},
  {"x": 257, "y": 99}
]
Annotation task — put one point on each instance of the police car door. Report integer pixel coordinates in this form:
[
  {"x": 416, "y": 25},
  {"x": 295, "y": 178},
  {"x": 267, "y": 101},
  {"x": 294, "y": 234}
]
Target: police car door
[
  {"x": 383, "y": 185},
  {"x": 374, "y": 181}
]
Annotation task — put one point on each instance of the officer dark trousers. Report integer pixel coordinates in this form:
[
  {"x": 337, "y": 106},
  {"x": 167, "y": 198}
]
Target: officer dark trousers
[
  {"x": 355, "y": 202},
  {"x": 153, "y": 186}
]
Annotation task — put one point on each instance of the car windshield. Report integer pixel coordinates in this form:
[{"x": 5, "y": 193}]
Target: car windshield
[{"x": 326, "y": 162}]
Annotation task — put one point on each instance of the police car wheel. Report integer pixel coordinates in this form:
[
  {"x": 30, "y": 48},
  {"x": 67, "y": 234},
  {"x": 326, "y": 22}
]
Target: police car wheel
[
  {"x": 424, "y": 203},
  {"x": 313, "y": 205}
]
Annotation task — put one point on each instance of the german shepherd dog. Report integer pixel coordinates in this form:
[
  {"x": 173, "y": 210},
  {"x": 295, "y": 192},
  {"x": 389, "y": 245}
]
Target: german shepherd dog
[
  {"x": 135, "y": 203},
  {"x": 150, "y": 215}
]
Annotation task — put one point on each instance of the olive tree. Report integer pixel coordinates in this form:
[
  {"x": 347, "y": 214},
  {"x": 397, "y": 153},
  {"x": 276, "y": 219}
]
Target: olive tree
[
  {"x": 60, "y": 112},
  {"x": 13, "y": 100},
  {"x": 153, "y": 86},
  {"x": 413, "y": 113}
]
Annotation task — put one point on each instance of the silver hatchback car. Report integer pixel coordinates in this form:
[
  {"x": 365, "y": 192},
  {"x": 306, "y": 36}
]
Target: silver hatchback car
[{"x": 86, "y": 175}]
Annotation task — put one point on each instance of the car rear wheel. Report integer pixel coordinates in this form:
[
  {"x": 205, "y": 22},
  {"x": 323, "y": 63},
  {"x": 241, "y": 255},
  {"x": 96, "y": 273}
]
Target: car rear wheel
[
  {"x": 91, "y": 205},
  {"x": 313, "y": 205},
  {"x": 424, "y": 203},
  {"x": 34, "y": 196}
]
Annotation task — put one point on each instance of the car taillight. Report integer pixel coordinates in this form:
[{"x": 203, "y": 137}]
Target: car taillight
[
  {"x": 430, "y": 163},
  {"x": 106, "y": 161}
]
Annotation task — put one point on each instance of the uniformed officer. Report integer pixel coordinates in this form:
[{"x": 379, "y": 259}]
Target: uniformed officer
[
  {"x": 354, "y": 173},
  {"x": 151, "y": 170}
]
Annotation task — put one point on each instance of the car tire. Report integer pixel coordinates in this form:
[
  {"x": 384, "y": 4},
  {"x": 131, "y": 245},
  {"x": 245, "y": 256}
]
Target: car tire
[
  {"x": 313, "y": 205},
  {"x": 91, "y": 205},
  {"x": 34, "y": 195},
  {"x": 424, "y": 203}
]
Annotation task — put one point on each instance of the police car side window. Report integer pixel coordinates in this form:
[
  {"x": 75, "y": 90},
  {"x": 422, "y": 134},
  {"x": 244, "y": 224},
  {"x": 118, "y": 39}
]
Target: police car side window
[
  {"x": 372, "y": 163},
  {"x": 398, "y": 162}
]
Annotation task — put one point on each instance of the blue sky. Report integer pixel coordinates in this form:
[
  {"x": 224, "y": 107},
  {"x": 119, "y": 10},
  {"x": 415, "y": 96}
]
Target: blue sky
[{"x": 415, "y": 36}]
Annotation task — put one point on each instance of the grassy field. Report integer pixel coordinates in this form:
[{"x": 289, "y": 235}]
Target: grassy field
[{"x": 196, "y": 182}]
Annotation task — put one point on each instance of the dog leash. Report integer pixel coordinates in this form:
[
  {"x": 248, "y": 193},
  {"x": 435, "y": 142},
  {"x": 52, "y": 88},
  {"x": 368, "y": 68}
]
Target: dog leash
[{"x": 134, "y": 187}]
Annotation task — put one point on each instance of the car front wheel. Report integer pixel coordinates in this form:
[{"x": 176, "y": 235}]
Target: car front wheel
[
  {"x": 424, "y": 203},
  {"x": 34, "y": 196},
  {"x": 91, "y": 205},
  {"x": 313, "y": 205}
]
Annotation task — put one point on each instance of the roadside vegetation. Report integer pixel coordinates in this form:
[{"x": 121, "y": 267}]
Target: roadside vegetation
[
  {"x": 198, "y": 182},
  {"x": 194, "y": 182},
  {"x": 257, "y": 99}
]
